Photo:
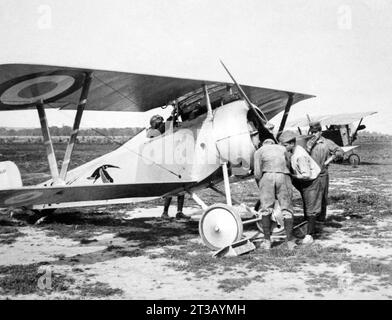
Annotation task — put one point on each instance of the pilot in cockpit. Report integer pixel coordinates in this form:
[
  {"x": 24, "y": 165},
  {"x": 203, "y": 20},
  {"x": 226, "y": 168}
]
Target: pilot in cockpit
[{"x": 157, "y": 126}]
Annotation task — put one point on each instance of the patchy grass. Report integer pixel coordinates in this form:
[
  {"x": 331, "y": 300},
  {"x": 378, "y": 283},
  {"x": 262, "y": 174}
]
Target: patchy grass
[
  {"x": 374, "y": 267},
  {"x": 24, "y": 279},
  {"x": 9, "y": 234},
  {"x": 197, "y": 259},
  {"x": 229, "y": 285},
  {"x": 322, "y": 282},
  {"x": 98, "y": 290},
  {"x": 360, "y": 205}
]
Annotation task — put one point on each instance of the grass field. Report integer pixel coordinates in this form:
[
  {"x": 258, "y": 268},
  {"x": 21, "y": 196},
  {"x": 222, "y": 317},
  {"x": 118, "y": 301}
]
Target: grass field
[{"x": 104, "y": 252}]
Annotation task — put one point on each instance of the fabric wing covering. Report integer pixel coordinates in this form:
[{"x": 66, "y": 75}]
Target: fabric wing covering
[
  {"x": 23, "y": 85},
  {"x": 327, "y": 120}
]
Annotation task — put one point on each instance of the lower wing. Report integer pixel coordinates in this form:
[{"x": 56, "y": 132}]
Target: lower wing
[{"x": 27, "y": 196}]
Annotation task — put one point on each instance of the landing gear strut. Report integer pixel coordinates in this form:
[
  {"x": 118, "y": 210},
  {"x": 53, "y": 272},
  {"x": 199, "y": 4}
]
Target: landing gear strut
[{"x": 221, "y": 224}]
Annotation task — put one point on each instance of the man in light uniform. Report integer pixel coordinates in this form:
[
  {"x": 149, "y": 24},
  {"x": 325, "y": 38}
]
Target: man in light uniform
[
  {"x": 304, "y": 177},
  {"x": 321, "y": 149},
  {"x": 272, "y": 174}
]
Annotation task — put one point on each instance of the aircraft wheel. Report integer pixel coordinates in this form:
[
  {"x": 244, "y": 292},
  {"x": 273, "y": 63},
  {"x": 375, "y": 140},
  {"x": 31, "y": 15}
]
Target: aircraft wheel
[
  {"x": 220, "y": 226},
  {"x": 354, "y": 159}
]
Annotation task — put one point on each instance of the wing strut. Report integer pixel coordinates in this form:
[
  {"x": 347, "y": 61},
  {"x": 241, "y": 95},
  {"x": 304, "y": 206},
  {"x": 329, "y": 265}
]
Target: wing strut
[
  {"x": 354, "y": 136},
  {"x": 209, "y": 108},
  {"x": 76, "y": 125},
  {"x": 48, "y": 142},
  {"x": 285, "y": 114}
]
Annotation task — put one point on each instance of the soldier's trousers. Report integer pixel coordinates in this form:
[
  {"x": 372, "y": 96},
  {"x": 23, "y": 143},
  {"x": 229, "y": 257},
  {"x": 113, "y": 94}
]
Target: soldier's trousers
[
  {"x": 276, "y": 186},
  {"x": 314, "y": 196}
]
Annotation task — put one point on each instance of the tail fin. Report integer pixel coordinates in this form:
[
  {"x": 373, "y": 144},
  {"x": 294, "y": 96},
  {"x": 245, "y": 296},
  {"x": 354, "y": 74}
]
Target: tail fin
[{"x": 9, "y": 175}]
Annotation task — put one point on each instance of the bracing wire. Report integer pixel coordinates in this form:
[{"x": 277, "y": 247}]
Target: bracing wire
[{"x": 116, "y": 142}]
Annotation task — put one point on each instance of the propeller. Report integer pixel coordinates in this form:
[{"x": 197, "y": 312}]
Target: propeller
[{"x": 263, "y": 130}]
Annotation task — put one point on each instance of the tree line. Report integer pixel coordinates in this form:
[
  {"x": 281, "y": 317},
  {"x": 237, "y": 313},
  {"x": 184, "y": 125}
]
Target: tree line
[{"x": 66, "y": 131}]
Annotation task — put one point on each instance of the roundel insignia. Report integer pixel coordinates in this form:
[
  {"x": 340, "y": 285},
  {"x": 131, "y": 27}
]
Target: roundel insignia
[{"x": 26, "y": 91}]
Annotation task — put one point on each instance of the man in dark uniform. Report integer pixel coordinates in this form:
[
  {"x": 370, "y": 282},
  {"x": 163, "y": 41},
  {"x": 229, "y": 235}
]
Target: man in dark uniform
[
  {"x": 272, "y": 174},
  {"x": 304, "y": 178},
  {"x": 321, "y": 150},
  {"x": 157, "y": 128},
  {"x": 180, "y": 205}
]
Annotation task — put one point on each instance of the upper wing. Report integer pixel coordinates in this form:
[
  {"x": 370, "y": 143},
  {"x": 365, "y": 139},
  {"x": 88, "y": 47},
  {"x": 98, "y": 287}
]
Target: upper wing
[
  {"x": 23, "y": 85},
  {"x": 27, "y": 196},
  {"x": 336, "y": 119}
]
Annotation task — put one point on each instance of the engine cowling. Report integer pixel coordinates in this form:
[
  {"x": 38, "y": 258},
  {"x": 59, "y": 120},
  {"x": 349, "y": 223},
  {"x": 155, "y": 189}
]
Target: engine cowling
[{"x": 233, "y": 134}]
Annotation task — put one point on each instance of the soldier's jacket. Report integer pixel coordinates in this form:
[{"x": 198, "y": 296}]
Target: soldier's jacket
[
  {"x": 322, "y": 150},
  {"x": 303, "y": 165},
  {"x": 271, "y": 158}
]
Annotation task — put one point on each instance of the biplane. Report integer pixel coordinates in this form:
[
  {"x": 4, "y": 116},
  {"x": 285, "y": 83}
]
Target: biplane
[
  {"x": 340, "y": 128},
  {"x": 214, "y": 128}
]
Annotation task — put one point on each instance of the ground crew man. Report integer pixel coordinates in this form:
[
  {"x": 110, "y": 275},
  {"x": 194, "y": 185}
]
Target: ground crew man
[
  {"x": 304, "y": 177},
  {"x": 180, "y": 205},
  {"x": 321, "y": 149},
  {"x": 272, "y": 175}
]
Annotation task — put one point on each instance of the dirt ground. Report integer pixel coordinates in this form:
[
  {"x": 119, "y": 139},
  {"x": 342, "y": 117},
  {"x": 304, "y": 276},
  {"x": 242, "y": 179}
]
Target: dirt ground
[{"x": 128, "y": 252}]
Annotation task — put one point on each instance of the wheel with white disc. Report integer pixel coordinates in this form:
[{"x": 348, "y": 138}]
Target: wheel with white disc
[{"x": 220, "y": 226}]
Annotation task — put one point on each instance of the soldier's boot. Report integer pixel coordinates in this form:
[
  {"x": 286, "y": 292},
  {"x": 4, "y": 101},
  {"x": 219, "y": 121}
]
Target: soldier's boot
[
  {"x": 311, "y": 229},
  {"x": 180, "y": 205},
  {"x": 181, "y": 215},
  {"x": 165, "y": 215},
  {"x": 290, "y": 240},
  {"x": 266, "y": 224}
]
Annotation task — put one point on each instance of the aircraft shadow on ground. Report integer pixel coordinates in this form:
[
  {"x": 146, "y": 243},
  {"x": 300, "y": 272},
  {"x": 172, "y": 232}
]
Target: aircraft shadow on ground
[{"x": 132, "y": 237}]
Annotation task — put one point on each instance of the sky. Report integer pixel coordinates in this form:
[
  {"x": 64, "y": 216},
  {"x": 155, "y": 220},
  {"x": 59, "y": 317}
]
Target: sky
[{"x": 339, "y": 51}]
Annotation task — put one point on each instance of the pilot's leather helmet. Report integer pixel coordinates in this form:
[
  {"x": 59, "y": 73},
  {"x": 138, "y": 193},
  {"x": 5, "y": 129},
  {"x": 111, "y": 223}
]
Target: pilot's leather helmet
[{"x": 156, "y": 121}]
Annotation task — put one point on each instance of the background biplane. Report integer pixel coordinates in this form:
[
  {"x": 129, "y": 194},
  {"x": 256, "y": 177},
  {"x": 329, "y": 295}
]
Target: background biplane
[
  {"x": 214, "y": 128},
  {"x": 340, "y": 128}
]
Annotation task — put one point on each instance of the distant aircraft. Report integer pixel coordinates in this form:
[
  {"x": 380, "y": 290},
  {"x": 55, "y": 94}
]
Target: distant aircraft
[
  {"x": 215, "y": 127},
  {"x": 339, "y": 128}
]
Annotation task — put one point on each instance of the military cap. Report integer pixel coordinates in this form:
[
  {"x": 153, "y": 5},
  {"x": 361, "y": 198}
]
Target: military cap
[
  {"x": 287, "y": 136},
  {"x": 315, "y": 126},
  {"x": 268, "y": 141}
]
